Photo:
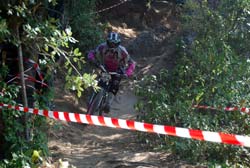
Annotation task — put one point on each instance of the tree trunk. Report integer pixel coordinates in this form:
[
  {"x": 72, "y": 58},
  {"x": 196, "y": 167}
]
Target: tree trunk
[{"x": 21, "y": 72}]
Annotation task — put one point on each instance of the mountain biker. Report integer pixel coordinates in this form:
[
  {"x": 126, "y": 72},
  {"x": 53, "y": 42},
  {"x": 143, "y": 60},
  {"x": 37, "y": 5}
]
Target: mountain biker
[{"x": 115, "y": 58}]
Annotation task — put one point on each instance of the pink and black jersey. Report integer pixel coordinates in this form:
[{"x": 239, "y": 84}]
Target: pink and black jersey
[{"x": 113, "y": 58}]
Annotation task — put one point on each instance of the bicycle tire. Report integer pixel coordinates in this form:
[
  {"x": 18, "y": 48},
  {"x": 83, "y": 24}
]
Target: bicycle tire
[{"x": 95, "y": 105}]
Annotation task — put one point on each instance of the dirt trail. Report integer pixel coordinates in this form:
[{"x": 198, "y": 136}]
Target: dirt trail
[
  {"x": 88, "y": 146},
  {"x": 95, "y": 146}
]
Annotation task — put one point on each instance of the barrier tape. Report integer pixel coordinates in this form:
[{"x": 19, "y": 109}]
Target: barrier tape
[
  {"x": 218, "y": 137},
  {"x": 18, "y": 75},
  {"x": 36, "y": 67},
  {"x": 242, "y": 109},
  {"x": 30, "y": 78}
]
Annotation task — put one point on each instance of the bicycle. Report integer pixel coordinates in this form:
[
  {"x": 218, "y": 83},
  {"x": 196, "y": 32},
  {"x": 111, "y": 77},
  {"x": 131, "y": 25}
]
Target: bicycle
[{"x": 99, "y": 99}]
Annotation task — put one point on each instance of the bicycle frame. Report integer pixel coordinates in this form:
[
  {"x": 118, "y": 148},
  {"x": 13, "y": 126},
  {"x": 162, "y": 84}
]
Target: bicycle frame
[{"x": 99, "y": 99}]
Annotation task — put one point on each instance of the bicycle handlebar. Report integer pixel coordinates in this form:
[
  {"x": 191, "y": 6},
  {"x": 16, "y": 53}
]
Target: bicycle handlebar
[{"x": 112, "y": 73}]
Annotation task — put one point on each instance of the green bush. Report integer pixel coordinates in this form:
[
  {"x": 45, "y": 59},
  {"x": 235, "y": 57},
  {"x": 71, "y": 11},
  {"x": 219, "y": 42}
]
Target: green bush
[
  {"x": 17, "y": 160},
  {"x": 213, "y": 69},
  {"x": 42, "y": 35},
  {"x": 84, "y": 23}
]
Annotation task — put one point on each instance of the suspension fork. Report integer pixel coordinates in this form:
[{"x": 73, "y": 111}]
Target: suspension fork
[{"x": 92, "y": 97}]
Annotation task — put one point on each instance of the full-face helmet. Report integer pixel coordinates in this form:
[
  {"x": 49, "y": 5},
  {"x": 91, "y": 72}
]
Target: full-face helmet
[{"x": 113, "y": 40}]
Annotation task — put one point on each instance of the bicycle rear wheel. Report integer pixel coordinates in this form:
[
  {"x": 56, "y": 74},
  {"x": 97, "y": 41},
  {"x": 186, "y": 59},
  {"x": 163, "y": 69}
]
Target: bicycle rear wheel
[{"x": 95, "y": 106}]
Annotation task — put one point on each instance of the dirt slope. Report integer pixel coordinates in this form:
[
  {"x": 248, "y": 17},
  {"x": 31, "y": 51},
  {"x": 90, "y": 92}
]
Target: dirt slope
[{"x": 102, "y": 147}]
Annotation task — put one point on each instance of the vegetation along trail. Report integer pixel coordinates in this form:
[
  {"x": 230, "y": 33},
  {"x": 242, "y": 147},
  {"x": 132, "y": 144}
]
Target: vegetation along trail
[{"x": 192, "y": 60}]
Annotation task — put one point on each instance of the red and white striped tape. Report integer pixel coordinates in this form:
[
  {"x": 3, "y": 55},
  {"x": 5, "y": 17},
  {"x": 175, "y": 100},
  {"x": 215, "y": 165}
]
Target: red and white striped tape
[
  {"x": 242, "y": 109},
  {"x": 30, "y": 78},
  {"x": 34, "y": 65},
  {"x": 218, "y": 137},
  {"x": 37, "y": 68}
]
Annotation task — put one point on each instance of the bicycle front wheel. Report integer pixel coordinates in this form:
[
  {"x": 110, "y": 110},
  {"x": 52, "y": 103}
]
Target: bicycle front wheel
[{"x": 95, "y": 106}]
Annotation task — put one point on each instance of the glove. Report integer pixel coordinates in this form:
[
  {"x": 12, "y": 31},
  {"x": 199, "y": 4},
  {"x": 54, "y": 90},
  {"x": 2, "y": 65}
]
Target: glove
[
  {"x": 130, "y": 69},
  {"x": 91, "y": 56}
]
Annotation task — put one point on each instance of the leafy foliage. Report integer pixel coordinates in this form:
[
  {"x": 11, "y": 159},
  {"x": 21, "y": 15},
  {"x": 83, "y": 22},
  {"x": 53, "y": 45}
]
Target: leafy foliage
[
  {"x": 46, "y": 39},
  {"x": 18, "y": 160},
  {"x": 3, "y": 28},
  {"x": 213, "y": 69},
  {"x": 83, "y": 21}
]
